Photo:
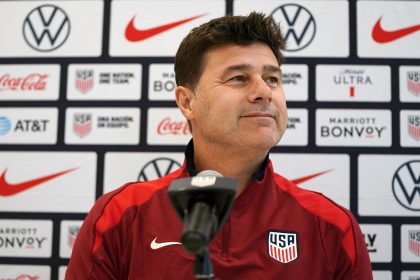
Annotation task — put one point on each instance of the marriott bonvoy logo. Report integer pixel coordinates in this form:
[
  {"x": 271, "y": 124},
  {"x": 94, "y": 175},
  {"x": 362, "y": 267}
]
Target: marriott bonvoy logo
[
  {"x": 30, "y": 238},
  {"x": 353, "y": 127},
  {"x": 161, "y": 81}
]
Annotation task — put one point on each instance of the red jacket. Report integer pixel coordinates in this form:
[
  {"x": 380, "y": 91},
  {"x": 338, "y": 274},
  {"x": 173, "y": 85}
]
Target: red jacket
[{"x": 275, "y": 230}]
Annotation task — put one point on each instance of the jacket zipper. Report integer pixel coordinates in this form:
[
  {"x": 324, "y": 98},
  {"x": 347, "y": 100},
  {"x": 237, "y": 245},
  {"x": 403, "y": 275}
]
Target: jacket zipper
[{"x": 225, "y": 241}]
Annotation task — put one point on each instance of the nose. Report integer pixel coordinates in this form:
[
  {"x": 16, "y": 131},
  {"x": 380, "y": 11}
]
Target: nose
[{"x": 259, "y": 91}]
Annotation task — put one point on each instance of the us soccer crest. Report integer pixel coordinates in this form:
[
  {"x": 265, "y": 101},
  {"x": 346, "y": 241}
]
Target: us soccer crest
[
  {"x": 414, "y": 241},
  {"x": 82, "y": 124},
  {"x": 413, "y": 82},
  {"x": 282, "y": 246},
  {"x": 72, "y": 234},
  {"x": 84, "y": 80},
  {"x": 413, "y": 128}
]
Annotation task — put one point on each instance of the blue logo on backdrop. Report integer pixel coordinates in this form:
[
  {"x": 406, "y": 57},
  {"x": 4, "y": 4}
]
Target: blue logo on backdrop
[{"x": 5, "y": 125}]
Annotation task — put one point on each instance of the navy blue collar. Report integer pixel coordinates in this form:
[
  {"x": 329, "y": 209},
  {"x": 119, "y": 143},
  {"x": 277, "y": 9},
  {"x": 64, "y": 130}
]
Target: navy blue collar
[{"x": 189, "y": 158}]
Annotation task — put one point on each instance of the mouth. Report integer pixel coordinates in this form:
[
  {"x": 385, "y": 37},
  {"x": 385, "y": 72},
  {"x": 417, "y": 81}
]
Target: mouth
[{"x": 258, "y": 114}]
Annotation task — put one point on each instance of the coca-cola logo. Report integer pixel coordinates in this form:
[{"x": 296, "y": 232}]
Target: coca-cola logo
[
  {"x": 168, "y": 126},
  {"x": 27, "y": 277},
  {"x": 34, "y": 81}
]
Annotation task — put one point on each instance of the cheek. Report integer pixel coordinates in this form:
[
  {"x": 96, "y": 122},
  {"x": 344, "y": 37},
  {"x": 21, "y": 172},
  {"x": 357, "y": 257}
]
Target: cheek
[
  {"x": 282, "y": 108},
  {"x": 219, "y": 106}
]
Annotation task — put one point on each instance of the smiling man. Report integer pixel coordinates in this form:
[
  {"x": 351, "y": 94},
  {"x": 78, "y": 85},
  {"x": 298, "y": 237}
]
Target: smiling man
[
  {"x": 237, "y": 111},
  {"x": 229, "y": 89}
]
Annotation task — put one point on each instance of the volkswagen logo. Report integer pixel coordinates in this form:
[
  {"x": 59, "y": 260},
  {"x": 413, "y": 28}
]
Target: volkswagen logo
[
  {"x": 46, "y": 28},
  {"x": 406, "y": 185},
  {"x": 157, "y": 168},
  {"x": 300, "y": 26}
]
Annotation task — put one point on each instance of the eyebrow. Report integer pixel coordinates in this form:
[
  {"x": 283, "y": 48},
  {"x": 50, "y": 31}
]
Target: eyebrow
[
  {"x": 246, "y": 67},
  {"x": 272, "y": 68}
]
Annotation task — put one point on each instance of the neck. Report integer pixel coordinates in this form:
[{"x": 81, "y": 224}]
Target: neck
[{"x": 234, "y": 164}]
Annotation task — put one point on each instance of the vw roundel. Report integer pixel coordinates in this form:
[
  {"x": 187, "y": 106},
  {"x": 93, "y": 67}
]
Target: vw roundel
[{"x": 282, "y": 246}]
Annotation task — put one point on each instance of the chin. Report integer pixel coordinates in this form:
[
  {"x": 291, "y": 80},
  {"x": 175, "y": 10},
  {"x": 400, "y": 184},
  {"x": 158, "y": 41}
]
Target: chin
[{"x": 265, "y": 143}]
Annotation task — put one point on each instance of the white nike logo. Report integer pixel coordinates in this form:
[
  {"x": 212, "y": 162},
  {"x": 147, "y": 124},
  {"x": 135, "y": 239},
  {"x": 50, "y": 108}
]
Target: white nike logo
[{"x": 154, "y": 245}]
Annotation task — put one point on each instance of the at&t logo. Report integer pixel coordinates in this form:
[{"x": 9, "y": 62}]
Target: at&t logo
[
  {"x": 406, "y": 185},
  {"x": 46, "y": 28},
  {"x": 5, "y": 125}
]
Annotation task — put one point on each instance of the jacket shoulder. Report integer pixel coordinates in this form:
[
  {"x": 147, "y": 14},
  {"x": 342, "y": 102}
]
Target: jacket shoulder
[
  {"x": 110, "y": 207},
  {"x": 327, "y": 211}
]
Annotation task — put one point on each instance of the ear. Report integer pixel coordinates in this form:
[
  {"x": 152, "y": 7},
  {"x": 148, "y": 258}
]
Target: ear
[{"x": 184, "y": 99}]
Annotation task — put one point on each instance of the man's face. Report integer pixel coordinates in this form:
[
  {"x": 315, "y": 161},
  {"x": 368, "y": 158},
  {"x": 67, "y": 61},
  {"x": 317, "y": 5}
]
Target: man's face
[{"x": 239, "y": 101}]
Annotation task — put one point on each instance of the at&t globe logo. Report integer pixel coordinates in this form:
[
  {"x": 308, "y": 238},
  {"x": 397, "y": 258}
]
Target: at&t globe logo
[{"x": 4, "y": 125}]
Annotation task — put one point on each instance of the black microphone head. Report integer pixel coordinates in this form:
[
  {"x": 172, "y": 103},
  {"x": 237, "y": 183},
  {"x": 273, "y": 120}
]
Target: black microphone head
[
  {"x": 193, "y": 198},
  {"x": 208, "y": 185}
]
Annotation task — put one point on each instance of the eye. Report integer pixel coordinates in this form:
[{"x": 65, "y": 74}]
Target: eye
[
  {"x": 272, "y": 80},
  {"x": 239, "y": 78}
]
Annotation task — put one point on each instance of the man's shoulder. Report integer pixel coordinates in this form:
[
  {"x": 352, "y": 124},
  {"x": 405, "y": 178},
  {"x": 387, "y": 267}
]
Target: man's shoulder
[
  {"x": 317, "y": 204},
  {"x": 121, "y": 204},
  {"x": 135, "y": 193},
  {"x": 330, "y": 215}
]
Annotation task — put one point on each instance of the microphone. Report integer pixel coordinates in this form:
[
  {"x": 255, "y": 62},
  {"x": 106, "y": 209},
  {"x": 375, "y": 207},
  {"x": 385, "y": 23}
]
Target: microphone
[{"x": 203, "y": 203}]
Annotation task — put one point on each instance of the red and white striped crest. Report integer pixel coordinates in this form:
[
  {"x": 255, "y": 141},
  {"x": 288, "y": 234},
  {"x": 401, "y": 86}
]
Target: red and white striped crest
[
  {"x": 414, "y": 241},
  {"x": 413, "y": 82},
  {"x": 82, "y": 124},
  {"x": 414, "y": 126},
  {"x": 84, "y": 80},
  {"x": 73, "y": 231},
  {"x": 282, "y": 246}
]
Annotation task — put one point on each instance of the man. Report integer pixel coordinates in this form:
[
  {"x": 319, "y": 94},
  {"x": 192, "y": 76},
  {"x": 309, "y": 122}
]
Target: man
[{"x": 229, "y": 89}]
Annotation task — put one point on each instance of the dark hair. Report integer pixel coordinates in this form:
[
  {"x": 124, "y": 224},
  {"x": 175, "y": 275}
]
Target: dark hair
[{"x": 241, "y": 30}]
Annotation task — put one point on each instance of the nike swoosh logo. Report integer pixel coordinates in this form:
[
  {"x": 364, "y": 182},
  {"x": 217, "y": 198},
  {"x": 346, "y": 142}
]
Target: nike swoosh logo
[
  {"x": 309, "y": 177},
  {"x": 155, "y": 245},
  {"x": 8, "y": 189},
  {"x": 383, "y": 36},
  {"x": 133, "y": 34}
]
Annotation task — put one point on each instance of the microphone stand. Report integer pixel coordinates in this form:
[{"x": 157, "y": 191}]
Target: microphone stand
[
  {"x": 202, "y": 266},
  {"x": 203, "y": 203},
  {"x": 199, "y": 227}
]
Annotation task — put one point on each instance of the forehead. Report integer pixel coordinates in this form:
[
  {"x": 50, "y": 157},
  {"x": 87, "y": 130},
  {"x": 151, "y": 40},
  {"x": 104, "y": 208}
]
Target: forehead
[{"x": 255, "y": 55}]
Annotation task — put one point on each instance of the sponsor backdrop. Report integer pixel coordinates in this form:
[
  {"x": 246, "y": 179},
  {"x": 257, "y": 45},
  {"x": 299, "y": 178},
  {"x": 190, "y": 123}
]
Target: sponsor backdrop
[{"x": 87, "y": 104}]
